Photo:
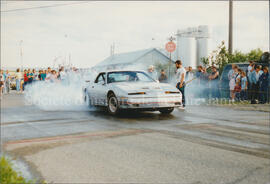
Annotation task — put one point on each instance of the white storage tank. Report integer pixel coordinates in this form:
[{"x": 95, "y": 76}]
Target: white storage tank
[
  {"x": 186, "y": 51},
  {"x": 203, "y": 49},
  {"x": 203, "y": 42}
]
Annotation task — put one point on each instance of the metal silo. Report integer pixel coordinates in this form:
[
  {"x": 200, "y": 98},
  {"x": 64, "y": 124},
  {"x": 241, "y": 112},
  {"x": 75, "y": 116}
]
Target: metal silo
[
  {"x": 203, "y": 43},
  {"x": 186, "y": 50},
  {"x": 203, "y": 49}
]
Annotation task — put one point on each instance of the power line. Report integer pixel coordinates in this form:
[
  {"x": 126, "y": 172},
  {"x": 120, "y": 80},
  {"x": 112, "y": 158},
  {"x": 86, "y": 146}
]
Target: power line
[
  {"x": 8, "y": 2},
  {"x": 39, "y": 7}
]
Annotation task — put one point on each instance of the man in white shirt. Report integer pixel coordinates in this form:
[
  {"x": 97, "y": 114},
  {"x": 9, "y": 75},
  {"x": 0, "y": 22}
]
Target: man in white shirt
[{"x": 180, "y": 79}]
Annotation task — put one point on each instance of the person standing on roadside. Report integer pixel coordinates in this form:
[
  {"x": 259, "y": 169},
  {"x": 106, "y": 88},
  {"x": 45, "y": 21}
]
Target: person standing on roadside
[
  {"x": 232, "y": 72},
  {"x": 250, "y": 69},
  {"x": 2, "y": 81},
  {"x": 25, "y": 78},
  {"x": 48, "y": 74},
  {"x": 63, "y": 75},
  {"x": 54, "y": 76},
  {"x": 233, "y": 77},
  {"x": 244, "y": 86},
  {"x": 7, "y": 78},
  {"x": 199, "y": 82},
  {"x": 18, "y": 77},
  {"x": 163, "y": 77},
  {"x": 213, "y": 79},
  {"x": 254, "y": 77},
  {"x": 264, "y": 83},
  {"x": 39, "y": 75},
  {"x": 30, "y": 76},
  {"x": 43, "y": 75},
  {"x": 35, "y": 75},
  {"x": 189, "y": 74},
  {"x": 152, "y": 73},
  {"x": 199, "y": 73},
  {"x": 237, "y": 88},
  {"x": 180, "y": 79}
]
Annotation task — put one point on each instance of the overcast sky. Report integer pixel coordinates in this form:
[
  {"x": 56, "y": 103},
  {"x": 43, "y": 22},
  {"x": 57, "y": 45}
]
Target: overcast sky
[{"x": 86, "y": 30}]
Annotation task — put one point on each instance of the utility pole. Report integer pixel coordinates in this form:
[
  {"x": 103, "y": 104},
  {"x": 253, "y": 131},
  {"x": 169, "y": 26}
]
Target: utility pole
[
  {"x": 21, "y": 54},
  {"x": 171, "y": 39},
  {"x": 230, "y": 45}
]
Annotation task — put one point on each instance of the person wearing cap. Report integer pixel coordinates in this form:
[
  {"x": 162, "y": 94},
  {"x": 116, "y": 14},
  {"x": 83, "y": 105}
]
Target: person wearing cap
[
  {"x": 180, "y": 79},
  {"x": 151, "y": 72}
]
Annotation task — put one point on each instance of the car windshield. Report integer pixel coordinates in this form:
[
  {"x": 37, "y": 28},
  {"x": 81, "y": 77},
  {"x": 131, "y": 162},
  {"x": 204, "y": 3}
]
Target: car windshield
[{"x": 129, "y": 76}]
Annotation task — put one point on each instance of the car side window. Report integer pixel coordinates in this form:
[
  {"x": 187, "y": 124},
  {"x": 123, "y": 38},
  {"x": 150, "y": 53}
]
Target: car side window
[{"x": 100, "y": 79}]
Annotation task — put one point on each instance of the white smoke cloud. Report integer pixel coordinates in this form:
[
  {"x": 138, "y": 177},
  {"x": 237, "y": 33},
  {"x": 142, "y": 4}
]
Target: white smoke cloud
[{"x": 64, "y": 95}]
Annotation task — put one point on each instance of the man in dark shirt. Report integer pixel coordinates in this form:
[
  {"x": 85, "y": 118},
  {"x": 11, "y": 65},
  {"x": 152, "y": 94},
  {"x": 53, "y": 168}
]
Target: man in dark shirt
[
  {"x": 163, "y": 77},
  {"x": 264, "y": 83}
]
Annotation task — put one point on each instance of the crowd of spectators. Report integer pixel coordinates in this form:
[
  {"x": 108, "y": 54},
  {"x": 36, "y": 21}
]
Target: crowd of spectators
[
  {"x": 30, "y": 76},
  {"x": 251, "y": 84}
]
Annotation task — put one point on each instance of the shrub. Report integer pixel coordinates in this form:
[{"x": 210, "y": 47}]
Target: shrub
[{"x": 8, "y": 175}]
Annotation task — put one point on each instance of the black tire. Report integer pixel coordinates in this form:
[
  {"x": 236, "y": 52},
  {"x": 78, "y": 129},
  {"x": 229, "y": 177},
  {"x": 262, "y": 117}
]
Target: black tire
[
  {"x": 113, "y": 105},
  {"x": 87, "y": 100},
  {"x": 166, "y": 110}
]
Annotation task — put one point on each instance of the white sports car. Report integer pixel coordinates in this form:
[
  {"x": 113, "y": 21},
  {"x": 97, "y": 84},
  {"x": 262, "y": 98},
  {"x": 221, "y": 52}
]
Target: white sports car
[{"x": 119, "y": 90}]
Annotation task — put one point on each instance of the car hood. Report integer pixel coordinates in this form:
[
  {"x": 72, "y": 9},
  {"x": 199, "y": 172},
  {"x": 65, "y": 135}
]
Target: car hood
[{"x": 131, "y": 87}]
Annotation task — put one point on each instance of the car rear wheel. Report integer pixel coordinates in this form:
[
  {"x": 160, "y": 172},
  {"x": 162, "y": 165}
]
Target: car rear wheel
[
  {"x": 87, "y": 100},
  {"x": 113, "y": 107},
  {"x": 166, "y": 110}
]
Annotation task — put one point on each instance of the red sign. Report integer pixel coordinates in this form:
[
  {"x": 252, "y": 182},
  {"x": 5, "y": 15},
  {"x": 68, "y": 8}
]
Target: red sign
[{"x": 170, "y": 46}]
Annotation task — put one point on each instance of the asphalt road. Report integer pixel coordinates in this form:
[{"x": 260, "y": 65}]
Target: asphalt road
[{"x": 202, "y": 144}]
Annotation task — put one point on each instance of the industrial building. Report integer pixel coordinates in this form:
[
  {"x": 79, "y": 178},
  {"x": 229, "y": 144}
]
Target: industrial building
[
  {"x": 140, "y": 59},
  {"x": 193, "y": 44}
]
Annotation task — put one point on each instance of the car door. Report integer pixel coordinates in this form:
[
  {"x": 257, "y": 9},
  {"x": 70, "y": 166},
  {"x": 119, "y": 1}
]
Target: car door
[{"x": 99, "y": 89}]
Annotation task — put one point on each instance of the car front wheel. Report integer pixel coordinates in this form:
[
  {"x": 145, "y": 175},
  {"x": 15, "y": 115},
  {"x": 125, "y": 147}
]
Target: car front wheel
[
  {"x": 113, "y": 107},
  {"x": 166, "y": 110}
]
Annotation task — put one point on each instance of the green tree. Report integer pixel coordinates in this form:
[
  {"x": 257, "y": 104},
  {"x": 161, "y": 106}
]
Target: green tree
[
  {"x": 254, "y": 55},
  {"x": 221, "y": 57},
  {"x": 218, "y": 57},
  {"x": 237, "y": 57},
  {"x": 205, "y": 61}
]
